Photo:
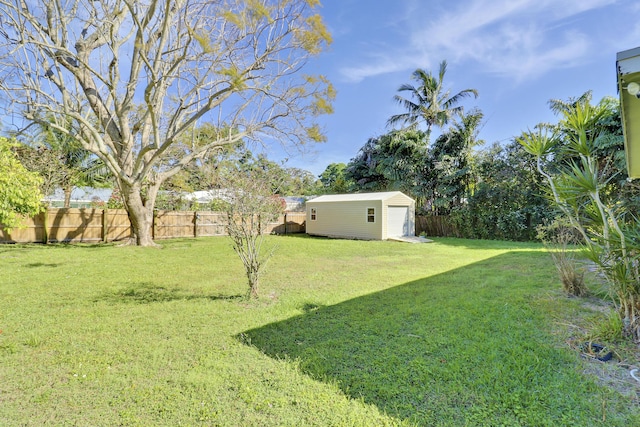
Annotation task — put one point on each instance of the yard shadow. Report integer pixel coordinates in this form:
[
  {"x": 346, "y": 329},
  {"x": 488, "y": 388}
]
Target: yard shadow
[
  {"x": 434, "y": 348},
  {"x": 147, "y": 293},
  {"x": 41, "y": 264},
  {"x": 61, "y": 231}
]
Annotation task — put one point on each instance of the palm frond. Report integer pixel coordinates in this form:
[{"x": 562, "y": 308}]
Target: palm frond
[{"x": 538, "y": 143}]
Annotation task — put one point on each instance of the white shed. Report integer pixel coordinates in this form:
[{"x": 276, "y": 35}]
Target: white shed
[{"x": 368, "y": 216}]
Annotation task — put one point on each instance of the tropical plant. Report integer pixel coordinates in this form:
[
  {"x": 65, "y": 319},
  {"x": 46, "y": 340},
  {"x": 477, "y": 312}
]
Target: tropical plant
[
  {"x": 561, "y": 241},
  {"x": 394, "y": 161},
  {"x": 429, "y": 101},
  {"x": 582, "y": 191},
  {"x": 363, "y": 168},
  {"x": 61, "y": 160},
  {"x": 506, "y": 202},
  {"x": 449, "y": 179},
  {"x": 333, "y": 179}
]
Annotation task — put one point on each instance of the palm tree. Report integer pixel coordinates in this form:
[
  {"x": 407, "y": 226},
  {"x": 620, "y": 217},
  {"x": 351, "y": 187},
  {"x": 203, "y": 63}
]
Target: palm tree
[
  {"x": 73, "y": 165},
  {"x": 561, "y": 106},
  {"x": 429, "y": 102}
]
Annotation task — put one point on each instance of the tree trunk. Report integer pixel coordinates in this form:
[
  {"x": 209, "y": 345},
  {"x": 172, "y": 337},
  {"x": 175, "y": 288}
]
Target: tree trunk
[
  {"x": 67, "y": 197},
  {"x": 140, "y": 215}
]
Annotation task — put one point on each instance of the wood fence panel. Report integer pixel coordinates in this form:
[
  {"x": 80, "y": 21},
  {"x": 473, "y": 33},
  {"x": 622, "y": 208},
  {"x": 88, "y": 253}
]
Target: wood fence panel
[
  {"x": 31, "y": 230},
  {"x": 292, "y": 223},
  {"x": 173, "y": 224},
  {"x": 117, "y": 226},
  {"x": 435, "y": 226},
  {"x": 212, "y": 224},
  {"x": 74, "y": 225},
  {"x": 274, "y": 227},
  {"x": 95, "y": 225}
]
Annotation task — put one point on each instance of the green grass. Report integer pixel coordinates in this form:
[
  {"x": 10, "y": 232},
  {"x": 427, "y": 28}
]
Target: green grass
[{"x": 345, "y": 333}]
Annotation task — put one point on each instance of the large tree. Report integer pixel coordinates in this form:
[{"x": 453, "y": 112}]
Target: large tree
[
  {"x": 334, "y": 180},
  {"x": 449, "y": 176},
  {"x": 429, "y": 101},
  {"x": 135, "y": 76},
  {"x": 507, "y": 202},
  {"x": 391, "y": 162}
]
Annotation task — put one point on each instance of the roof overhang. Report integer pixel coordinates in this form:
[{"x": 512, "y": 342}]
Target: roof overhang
[
  {"x": 359, "y": 197},
  {"x": 628, "y": 75}
]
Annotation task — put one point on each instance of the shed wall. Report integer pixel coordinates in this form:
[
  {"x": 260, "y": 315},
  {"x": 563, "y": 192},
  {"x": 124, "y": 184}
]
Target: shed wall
[
  {"x": 346, "y": 219},
  {"x": 398, "y": 200}
]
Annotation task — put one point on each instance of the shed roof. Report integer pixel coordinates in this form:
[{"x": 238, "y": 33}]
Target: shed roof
[{"x": 357, "y": 197}]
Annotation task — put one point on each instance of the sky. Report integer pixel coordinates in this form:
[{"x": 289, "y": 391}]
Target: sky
[{"x": 518, "y": 54}]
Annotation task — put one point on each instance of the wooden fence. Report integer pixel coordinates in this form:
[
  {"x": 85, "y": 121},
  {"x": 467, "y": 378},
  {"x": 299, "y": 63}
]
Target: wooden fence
[
  {"x": 436, "y": 226},
  {"x": 106, "y": 225}
]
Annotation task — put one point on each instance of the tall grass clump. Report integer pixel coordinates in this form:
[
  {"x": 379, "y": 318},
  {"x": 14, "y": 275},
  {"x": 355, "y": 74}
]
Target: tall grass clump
[{"x": 561, "y": 240}]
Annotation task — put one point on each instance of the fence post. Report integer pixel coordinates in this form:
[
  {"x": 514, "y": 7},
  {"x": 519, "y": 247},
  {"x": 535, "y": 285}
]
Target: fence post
[
  {"x": 285, "y": 223},
  {"x": 153, "y": 224},
  {"x": 45, "y": 225},
  {"x": 105, "y": 230},
  {"x": 195, "y": 223}
]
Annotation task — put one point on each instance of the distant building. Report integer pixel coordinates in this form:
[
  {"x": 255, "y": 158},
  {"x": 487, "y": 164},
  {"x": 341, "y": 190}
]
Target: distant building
[
  {"x": 295, "y": 204},
  {"x": 88, "y": 197},
  {"x": 81, "y": 197},
  {"x": 205, "y": 197}
]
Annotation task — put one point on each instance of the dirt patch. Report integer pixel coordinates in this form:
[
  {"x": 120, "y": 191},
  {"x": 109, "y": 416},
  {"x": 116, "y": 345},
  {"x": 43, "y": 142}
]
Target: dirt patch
[
  {"x": 615, "y": 376},
  {"x": 597, "y": 305},
  {"x": 615, "y": 373}
]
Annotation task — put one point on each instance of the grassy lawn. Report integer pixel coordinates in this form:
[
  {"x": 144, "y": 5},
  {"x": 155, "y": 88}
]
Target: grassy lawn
[{"x": 346, "y": 333}]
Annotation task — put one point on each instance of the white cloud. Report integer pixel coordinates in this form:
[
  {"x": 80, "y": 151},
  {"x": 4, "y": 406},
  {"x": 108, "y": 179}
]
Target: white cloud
[
  {"x": 530, "y": 63},
  {"x": 516, "y": 38},
  {"x": 569, "y": 8},
  {"x": 382, "y": 64}
]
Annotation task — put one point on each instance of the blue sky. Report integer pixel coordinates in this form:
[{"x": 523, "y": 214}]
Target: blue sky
[{"x": 518, "y": 54}]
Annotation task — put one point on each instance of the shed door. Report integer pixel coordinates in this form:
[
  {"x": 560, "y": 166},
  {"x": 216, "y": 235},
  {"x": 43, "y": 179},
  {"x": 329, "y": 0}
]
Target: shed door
[{"x": 397, "y": 221}]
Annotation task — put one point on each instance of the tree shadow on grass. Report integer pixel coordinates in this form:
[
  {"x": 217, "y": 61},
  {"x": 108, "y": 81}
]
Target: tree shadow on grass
[
  {"x": 41, "y": 264},
  {"x": 147, "y": 293},
  {"x": 464, "y": 346}
]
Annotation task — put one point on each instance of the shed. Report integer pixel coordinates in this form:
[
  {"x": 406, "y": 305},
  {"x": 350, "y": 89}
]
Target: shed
[{"x": 367, "y": 216}]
